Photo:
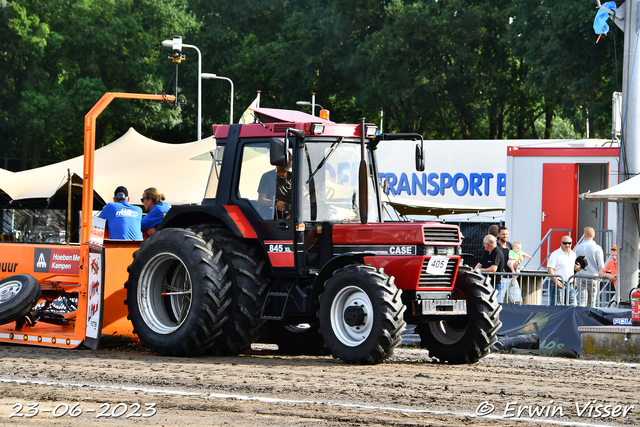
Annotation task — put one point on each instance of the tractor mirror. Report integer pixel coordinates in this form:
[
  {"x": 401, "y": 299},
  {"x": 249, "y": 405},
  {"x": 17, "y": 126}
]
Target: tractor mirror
[
  {"x": 278, "y": 152},
  {"x": 419, "y": 157}
]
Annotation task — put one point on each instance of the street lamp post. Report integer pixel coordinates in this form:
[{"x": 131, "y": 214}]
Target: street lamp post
[
  {"x": 177, "y": 41},
  {"x": 312, "y": 103},
  {"x": 215, "y": 76}
]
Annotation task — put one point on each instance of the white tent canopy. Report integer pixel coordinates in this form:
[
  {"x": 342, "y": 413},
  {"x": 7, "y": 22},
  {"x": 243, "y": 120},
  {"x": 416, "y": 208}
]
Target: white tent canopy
[
  {"x": 625, "y": 192},
  {"x": 132, "y": 160}
]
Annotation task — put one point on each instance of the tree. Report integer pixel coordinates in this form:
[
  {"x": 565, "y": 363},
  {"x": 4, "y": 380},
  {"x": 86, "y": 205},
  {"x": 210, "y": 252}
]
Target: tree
[
  {"x": 564, "y": 65},
  {"x": 74, "y": 52},
  {"x": 440, "y": 68}
]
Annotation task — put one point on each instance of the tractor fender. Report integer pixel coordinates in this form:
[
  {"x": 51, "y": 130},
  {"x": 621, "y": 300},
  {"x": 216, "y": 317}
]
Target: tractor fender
[
  {"x": 228, "y": 216},
  {"x": 334, "y": 264}
]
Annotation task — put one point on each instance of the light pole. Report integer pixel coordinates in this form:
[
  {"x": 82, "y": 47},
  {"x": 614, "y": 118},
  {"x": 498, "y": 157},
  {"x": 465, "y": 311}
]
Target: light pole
[
  {"x": 215, "y": 76},
  {"x": 177, "y": 44},
  {"x": 312, "y": 103}
]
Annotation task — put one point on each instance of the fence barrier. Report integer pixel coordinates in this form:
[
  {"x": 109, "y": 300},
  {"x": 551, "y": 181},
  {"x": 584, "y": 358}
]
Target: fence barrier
[{"x": 538, "y": 288}]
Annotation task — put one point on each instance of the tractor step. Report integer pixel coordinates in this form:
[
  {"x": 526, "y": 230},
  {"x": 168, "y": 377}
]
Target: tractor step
[{"x": 275, "y": 305}]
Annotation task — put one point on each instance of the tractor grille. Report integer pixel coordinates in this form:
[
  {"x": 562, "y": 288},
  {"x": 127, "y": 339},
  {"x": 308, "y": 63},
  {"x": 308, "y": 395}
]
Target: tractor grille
[
  {"x": 438, "y": 281},
  {"x": 441, "y": 235}
]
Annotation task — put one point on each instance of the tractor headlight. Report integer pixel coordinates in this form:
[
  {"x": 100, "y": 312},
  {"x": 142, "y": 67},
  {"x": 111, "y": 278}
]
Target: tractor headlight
[
  {"x": 371, "y": 131},
  {"x": 450, "y": 250},
  {"x": 445, "y": 250},
  {"x": 317, "y": 128},
  {"x": 430, "y": 251}
]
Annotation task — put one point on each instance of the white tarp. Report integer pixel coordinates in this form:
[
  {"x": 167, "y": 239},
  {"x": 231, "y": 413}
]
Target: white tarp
[
  {"x": 132, "y": 160},
  {"x": 625, "y": 192}
]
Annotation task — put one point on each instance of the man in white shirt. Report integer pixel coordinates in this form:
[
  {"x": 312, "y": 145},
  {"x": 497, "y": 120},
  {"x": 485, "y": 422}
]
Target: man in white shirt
[
  {"x": 562, "y": 262},
  {"x": 588, "y": 288}
]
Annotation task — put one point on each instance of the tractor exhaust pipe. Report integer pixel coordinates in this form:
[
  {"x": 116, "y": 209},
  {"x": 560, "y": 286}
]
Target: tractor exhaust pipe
[{"x": 362, "y": 178}]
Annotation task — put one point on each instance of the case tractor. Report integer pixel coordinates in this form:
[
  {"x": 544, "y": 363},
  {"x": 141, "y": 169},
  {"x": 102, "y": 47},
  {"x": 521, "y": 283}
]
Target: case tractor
[{"x": 325, "y": 276}]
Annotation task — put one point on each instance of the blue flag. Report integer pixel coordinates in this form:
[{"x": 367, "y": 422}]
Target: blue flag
[{"x": 600, "y": 25}]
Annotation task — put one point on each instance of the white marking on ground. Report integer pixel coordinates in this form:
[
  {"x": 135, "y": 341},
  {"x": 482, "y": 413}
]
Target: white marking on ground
[{"x": 292, "y": 401}]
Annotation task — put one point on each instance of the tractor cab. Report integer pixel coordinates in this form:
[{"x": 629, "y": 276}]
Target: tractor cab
[{"x": 294, "y": 176}]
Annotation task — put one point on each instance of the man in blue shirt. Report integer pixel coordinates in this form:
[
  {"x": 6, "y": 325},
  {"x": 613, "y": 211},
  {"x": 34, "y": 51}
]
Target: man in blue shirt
[{"x": 123, "y": 219}]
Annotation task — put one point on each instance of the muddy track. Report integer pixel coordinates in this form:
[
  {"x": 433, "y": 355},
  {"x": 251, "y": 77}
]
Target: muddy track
[{"x": 265, "y": 389}]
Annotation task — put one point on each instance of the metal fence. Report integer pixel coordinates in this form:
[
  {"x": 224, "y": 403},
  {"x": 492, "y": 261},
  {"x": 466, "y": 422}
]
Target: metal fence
[{"x": 537, "y": 288}]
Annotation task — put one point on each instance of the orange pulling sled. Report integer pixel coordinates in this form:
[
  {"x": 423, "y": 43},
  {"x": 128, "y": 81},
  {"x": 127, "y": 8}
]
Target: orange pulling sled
[{"x": 66, "y": 295}]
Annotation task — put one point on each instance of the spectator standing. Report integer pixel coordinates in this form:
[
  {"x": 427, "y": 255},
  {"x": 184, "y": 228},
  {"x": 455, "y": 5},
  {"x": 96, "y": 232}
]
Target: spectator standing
[
  {"x": 154, "y": 203},
  {"x": 505, "y": 246},
  {"x": 123, "y": 219},
  {"x": 610, "y": 269},
  {"x": 588, "y": 288},
  {"x": 493, "y": 231},
  {"x": 561, "y": 262},
  {"x": 493, "y": 261}
]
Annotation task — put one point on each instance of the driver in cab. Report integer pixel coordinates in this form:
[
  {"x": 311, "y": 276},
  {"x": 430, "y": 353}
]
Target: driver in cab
[{"x": 277, "y": 183}]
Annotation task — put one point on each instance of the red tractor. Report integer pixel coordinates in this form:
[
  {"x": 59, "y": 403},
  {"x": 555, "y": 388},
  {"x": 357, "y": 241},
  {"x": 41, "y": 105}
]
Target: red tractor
[{"x": 289, "y": 246}]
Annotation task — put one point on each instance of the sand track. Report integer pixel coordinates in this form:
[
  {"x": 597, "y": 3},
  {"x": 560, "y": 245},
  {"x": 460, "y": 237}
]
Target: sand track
[{"x": 265, "y": 389}]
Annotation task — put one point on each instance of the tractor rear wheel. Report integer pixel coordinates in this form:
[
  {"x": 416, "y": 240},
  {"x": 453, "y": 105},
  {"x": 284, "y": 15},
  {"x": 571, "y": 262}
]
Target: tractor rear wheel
[
  {"x": 18, "y": 295},
  {"x": 361, "y": 315},
  {"x": 464, "y": 339},
  {"x": 172, "y": 293},
  {"x": 244, "y": 292}
]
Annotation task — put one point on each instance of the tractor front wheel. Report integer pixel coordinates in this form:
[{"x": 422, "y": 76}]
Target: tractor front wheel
[
  {"x": 467, "y": 338},
  {"x": 361, "y": 315}
]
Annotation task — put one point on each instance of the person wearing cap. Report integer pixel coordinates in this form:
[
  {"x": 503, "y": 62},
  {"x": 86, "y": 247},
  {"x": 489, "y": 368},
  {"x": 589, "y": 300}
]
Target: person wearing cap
[
  {"x": 154, "y": 203},
  {"x": 123, "y": 219}
]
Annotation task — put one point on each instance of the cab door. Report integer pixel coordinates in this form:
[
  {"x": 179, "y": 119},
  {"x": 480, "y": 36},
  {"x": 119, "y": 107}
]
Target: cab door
[{"x": 256, "y": 181}]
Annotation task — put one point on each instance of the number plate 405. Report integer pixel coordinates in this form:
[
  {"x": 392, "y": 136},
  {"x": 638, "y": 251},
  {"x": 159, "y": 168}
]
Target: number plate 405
[{"x": 437, "y": 265}]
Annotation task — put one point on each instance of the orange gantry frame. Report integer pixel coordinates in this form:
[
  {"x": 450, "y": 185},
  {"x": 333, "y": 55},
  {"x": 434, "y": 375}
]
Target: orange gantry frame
[{"x": 67, "y": 266}]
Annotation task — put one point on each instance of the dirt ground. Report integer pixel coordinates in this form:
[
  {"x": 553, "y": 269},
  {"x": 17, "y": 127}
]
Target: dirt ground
[{"x": 54, "y": 387}]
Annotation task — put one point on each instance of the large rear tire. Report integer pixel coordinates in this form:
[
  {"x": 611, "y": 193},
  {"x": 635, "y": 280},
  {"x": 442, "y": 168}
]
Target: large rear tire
[
  {"x": 244, "y": 292},
  {"x": 173, "y": 293},
  {"x": 361, "y": 315},
  {"x": 468, "y": 338},
  {"x": 18, "y": 295}
]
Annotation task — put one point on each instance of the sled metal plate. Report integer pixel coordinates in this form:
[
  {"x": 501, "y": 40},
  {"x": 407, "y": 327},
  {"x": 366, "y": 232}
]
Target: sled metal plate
[{"x": 444, "y": 307}]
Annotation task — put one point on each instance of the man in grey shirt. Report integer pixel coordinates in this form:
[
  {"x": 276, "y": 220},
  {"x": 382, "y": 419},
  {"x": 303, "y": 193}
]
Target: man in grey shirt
[{"x": 588, "y": 288}]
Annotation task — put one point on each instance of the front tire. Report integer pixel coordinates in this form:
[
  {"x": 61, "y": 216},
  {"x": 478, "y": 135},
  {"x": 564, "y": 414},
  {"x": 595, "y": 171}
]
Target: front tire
[
  {"x": 18, "y": 295},
  {"x": 468, "y": 338},
  {"x": 361, "y": 315},
  {"x": 172, "y": 293}
]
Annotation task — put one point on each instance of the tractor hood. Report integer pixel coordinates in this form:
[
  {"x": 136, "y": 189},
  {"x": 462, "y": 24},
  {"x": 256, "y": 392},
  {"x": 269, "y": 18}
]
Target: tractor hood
[{"x": 405, "y": 233}]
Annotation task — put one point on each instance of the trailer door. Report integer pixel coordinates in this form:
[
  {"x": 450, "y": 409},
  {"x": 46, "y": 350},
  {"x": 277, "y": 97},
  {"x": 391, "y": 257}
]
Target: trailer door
[{"x": 559, "y": 203}]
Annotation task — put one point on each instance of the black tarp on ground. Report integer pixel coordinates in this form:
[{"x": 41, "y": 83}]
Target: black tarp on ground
[{"x": 557, "y": 326}]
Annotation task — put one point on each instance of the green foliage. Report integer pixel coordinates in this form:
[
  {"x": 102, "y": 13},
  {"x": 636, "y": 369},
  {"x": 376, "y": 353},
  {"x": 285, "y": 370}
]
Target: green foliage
[
  {"x": 445, "y": 68},
  {"x": 58, "y": 59}
]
